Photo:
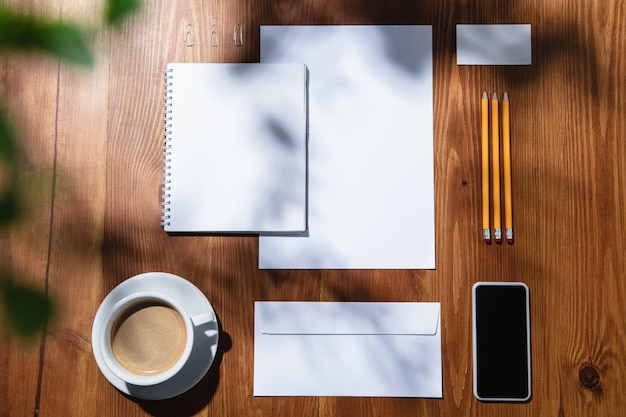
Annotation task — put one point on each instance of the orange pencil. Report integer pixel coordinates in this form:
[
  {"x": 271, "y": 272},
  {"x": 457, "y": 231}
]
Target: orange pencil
[
  {"x": 506, "y": 150},
  {"x": 495, "y": 146},
  {"x": 485, "y": 165}
]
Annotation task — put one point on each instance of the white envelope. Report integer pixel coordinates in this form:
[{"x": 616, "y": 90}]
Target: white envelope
[{"x": 365, "y": 349}]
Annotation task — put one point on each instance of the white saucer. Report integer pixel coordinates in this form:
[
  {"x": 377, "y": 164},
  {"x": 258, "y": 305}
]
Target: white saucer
[{"x": 206, "y": 337}]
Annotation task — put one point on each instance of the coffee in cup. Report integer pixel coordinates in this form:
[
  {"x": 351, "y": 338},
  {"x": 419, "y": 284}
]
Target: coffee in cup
[
  {"x": 148, "y": 338},
  {"x": 149, "y": 335}
]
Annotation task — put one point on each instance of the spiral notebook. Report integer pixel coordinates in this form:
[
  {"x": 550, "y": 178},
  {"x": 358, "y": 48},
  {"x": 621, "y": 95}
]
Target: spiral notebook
[{"x": 235, "y": 148}]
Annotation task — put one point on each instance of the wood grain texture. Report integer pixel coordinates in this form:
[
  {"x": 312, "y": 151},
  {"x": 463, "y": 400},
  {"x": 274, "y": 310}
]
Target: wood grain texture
[
  {"x": 28, "y": 86},
  {"x": 24, "y": 246},
  {"x": 93, "y": 149},
  {"x": 585, "y": 214}
]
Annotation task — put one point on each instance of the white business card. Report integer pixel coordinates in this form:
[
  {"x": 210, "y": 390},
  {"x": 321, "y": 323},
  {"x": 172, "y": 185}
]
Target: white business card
[{"x": 493, "y": 44}]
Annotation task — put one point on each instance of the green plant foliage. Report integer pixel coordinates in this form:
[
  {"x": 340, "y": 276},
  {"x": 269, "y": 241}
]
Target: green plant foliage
[
  {"x": 27, "y": 309},
  {"x": 29, "y": 33},
  {"x": 10, "y": 206},
  {"x": 118, "y": 9},
  {"x": 8, "y": 141}
]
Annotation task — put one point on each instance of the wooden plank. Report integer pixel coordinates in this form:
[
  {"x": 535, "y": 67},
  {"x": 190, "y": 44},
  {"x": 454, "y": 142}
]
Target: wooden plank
[
  {"x": 75, "y": 271},
  {"x": 463, "y": 257},
  {"x": 133, "y": 239},
  {"x": 28, "y": 82},
  {"x": 583, "y": 128}
]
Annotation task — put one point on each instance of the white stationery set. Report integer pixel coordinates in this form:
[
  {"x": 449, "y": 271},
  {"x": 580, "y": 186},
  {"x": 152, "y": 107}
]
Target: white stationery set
[{"x": 325, "y": 150}]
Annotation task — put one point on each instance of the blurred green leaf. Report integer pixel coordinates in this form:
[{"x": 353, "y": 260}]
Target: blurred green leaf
[
  {"x": 10, "y": 205},
  {"x": 118, "y": 9},
  {"x": 10, "y": 202},
  {"x": 23, "y": 33},
  {"x": 8, "y": 141},
  {"x": 27, "y": 310}
]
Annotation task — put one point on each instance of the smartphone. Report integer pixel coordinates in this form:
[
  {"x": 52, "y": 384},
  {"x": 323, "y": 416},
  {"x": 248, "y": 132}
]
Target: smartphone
[{"x": 501, "y": 341}]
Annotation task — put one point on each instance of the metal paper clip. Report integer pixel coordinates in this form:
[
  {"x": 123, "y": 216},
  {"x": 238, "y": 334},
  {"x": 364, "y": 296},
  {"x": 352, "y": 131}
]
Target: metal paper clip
[
  {"x": 238, "y": 34},
  {"x": 214, "y": 38},
  {"x": 188, "y": 35}
]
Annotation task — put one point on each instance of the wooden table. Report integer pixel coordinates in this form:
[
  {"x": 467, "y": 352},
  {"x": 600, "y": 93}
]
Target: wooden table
[{"x": 92, "y": 156}]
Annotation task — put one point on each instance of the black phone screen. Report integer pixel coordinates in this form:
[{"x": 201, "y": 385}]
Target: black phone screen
[{"x": 501, "y": 331}]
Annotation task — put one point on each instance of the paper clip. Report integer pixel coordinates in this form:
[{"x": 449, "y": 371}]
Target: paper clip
[
  {"x": 238, "y": 34},
  {"x": 214, "y": 38},
  {"x": 188, "y": 35}
]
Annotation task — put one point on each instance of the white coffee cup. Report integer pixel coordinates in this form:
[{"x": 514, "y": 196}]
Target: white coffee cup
[{"x": 126, "y": 320}]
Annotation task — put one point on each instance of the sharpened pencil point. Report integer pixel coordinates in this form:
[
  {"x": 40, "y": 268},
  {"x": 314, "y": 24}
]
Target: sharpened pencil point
[
  {"x": 485, "y": 96},
  {"x": 495, "y": 96},
  {"x": 506, "y": 97}
]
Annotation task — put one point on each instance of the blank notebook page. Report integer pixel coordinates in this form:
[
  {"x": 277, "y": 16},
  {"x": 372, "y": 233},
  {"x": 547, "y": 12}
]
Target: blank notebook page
[{"x": 235, "y": 148}]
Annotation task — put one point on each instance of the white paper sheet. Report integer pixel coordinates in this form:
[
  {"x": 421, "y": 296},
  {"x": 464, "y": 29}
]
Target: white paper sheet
[
  {"x": 370, "y": 147},
  {"x": 493, "y": 45},
  {"x": 347, "y": 349}
]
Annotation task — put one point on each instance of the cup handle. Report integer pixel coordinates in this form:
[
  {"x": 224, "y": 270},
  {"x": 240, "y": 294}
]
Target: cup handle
[{"x": 203, "y": 318}]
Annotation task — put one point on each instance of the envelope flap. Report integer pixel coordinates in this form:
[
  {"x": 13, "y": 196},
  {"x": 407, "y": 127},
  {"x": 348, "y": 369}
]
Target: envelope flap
[{"x": 327, "y": 318}]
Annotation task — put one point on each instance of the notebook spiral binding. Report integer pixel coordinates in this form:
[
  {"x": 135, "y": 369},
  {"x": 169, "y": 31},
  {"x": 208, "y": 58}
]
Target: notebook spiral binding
[{"x": 167, "y": 133}]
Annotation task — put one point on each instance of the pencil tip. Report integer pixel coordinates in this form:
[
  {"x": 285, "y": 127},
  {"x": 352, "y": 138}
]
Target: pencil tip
[
  {"x": 495, "y": 96},
  {"x": 485, "y": 94},
  {"x": 506, "y": 97}
]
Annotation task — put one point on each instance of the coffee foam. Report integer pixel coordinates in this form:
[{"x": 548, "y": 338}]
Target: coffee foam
[{"x": 148, "y": 338}]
